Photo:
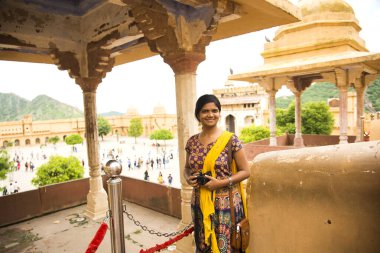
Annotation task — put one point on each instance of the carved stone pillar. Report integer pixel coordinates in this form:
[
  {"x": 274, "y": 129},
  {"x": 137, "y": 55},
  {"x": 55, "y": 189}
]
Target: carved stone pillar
[
  {"x": 298, "y": 140},
  {"x": 359, "y": 112},
  {"x": 272, "y": 117},
  {"x": 297, "y": 85},
  {"x": 97, "y": 204},
  {"x": 88, "y": 65},
  {"x": 184, "y": 68},
  {"x": 342, "y": 83}
]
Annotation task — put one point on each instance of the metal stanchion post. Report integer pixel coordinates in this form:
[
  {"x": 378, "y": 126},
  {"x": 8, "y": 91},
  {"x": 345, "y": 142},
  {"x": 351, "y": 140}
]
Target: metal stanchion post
[{"x": 113, "y": 169}]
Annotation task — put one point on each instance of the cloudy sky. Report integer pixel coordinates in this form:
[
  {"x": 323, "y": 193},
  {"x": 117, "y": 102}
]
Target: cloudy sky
[{"x": 147, "y": 83}]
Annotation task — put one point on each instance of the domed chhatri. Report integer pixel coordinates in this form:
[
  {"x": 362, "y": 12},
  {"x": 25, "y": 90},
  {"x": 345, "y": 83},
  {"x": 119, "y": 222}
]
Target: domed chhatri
[
  {"x": 113, "y": 168},
  {"x": 132, "y": 111},
  {"x": 310, "y": 7},
  {"x": 159, "y": 109},
  {"x": 327, "y": 27}
]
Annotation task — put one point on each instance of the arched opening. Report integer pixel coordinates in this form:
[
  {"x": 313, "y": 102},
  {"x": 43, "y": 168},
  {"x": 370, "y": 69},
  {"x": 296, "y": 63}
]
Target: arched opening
[
  {"x": 230, "y": 123},
  {"x": 38, "y": 141},
  {"x": 5, "y": 144},
  {"x": 46, "y": 140},
  {"x": 17, "y": 142},
  {"x": 27, "y": 142}
]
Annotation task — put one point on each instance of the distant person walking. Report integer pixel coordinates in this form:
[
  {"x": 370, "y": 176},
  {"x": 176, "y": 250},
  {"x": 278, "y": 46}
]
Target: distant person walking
[{"x": 170, "y": 179}]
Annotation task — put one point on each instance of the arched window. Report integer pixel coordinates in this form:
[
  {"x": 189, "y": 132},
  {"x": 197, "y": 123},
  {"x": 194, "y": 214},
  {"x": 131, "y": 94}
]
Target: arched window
[
  {"x": 230, "y": 123},
  {"x": 17, "y": 142},
  {"x": 37, "y": 140},
  {"x": 27, "y": 142}
]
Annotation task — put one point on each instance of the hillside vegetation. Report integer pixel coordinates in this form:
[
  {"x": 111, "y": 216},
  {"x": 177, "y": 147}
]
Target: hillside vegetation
[
  {"x": 13, "y": 108},
  {"x": 324, "y": 91}
]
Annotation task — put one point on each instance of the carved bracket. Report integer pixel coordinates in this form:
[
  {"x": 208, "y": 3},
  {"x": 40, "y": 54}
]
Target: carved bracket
[
  {"x": 92, "y": 63},
  {"x": 178, "y": 28}
]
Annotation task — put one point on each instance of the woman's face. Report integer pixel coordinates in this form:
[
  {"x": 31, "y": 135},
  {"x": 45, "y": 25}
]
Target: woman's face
[{"x": 209, "y": 115}]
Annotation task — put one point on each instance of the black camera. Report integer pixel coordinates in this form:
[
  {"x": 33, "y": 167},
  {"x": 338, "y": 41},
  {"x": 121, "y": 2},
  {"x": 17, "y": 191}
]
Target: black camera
[{"x": 201, "y": 179}]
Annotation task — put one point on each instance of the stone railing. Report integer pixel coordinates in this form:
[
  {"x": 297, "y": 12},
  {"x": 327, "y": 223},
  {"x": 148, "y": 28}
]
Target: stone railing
[{"x": 30, "y": 204}]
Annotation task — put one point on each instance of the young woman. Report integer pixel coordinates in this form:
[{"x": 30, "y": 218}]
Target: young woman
[{"x": 207, "y": 151}]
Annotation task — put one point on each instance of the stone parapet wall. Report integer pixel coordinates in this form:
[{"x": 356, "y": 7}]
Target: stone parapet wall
[{"x": 318, "y": 199}]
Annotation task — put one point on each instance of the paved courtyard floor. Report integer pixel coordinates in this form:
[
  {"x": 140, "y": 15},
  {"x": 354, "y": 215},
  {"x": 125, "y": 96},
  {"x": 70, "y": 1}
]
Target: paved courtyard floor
[{"x": 70, "y": 231}]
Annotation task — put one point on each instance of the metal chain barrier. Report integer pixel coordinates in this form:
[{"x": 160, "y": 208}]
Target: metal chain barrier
[{"x": 152, "y": 231}]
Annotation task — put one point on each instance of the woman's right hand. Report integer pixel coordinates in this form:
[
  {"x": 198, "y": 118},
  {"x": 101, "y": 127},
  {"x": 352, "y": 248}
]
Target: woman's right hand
[{"x": 192, "y": 180}]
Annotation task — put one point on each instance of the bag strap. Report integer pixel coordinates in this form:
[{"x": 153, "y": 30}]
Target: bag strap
[{"x": 229, "y": 160}]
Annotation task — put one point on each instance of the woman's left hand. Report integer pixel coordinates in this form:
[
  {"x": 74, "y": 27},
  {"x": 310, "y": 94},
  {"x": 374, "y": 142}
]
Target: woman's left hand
[{"x": 213, "y": 184}]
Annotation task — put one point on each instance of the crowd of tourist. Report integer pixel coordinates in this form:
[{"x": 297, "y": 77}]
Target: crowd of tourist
[{"x": 140, "y": 160}]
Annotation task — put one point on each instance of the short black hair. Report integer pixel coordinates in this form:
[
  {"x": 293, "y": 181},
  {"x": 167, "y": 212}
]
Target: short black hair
[{"x": 205, "y": 99}]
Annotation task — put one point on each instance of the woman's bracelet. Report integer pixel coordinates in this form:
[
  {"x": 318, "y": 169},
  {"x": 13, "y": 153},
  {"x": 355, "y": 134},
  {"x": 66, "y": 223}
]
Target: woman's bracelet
[{"x": 230, "y": 182}]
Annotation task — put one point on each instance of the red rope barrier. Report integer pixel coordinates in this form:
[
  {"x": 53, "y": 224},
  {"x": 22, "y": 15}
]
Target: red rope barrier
[
  {"x": 164, "y": 245},
  {"x": 98, "y": 238}
]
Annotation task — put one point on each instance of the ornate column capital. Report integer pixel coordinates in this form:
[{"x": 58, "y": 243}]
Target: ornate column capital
[
  {"x": 176, "y": 31},
  {"x": 88, "y": 84},
  {"x": 341, "y": 78},
  {"x": 183, "y": 63}
]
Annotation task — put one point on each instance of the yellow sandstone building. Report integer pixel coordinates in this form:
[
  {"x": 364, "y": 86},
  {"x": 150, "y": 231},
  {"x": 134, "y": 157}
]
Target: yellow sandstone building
[{"x": 28, "y": 132}]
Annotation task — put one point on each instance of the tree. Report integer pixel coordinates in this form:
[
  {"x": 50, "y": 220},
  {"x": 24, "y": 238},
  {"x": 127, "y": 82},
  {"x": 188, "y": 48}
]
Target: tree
[
  {"x": 104, "y": 127},
  {"x": 73, "y": 139},
  {"x": 254, "y": 133},
  {"x": 53, "y": 140},
  {"x": 161, "y": 134},
  {"x": 5, "y": 164},
  {"x": 58, "y": 169},
  {"x": 317, "y": 119},
  {"x": 372, "y": 97},
  {"x": 136, "y": 128},
  {"x": 285, "y": 119}
]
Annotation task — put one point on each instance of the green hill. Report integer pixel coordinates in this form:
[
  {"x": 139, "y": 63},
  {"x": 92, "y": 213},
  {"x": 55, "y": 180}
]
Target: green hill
[
  {"x": 13, "y": 108},
  {"x": 325, "y": 91}
]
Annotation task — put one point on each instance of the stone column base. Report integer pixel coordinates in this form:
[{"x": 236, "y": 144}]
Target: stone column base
[
  {"x": 272, "y": 141},
  {"x": 186, "y": 244},
  {"x": 343, "y": 139},
  {"x": 97, "y": 200},
  {"x": 298, "y": 142}
]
